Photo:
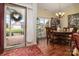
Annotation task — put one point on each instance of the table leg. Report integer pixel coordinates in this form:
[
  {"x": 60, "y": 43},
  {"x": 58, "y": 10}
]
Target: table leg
[{"x": 71, "y": 48}]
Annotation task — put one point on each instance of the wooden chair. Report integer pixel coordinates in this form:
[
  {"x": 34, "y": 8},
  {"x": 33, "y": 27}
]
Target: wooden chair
[
  {"x": 48, "y": 34},
  {"x": 76, "y": 44},
  {"x": 73, "y": 40}
]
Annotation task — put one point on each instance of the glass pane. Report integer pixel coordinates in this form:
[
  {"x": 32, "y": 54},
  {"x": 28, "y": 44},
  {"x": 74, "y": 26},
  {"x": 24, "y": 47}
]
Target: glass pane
[
  {"x": 7, "y": 25},
  {"x": 14, "y": 29}
]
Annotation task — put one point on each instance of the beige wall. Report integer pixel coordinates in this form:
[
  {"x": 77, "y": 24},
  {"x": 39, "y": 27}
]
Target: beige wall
[
  {"x": 69, "y": 11},
  {"x": 43, "y": 13},
  {"x": 72, "y": 10}
]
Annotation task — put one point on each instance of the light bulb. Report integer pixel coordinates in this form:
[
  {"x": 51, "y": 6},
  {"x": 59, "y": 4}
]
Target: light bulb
[
  {"x": 56, "y": 14},
  {"x": 59, "y": 13},
  {"x": 63, "y": 14}
]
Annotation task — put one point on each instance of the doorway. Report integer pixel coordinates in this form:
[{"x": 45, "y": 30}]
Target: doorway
[
  {"x": 14, "y": 26},
  {"x": 42, "y": 22}
]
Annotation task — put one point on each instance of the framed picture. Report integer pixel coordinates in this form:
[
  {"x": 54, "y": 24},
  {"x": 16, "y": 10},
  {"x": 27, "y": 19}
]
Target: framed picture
[
  {"x": 73, "y": 20},
  {"x": 55, "y": 22}
]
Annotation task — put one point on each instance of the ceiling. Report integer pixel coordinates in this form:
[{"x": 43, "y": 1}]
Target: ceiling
[{"x": 55, "y": 7}]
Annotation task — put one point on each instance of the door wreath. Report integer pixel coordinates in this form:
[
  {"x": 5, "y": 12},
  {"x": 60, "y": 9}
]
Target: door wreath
[{"x": 16, "y": 16}]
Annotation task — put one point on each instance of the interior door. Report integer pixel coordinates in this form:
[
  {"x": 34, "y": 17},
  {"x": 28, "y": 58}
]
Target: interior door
[
  {"x": 1, "y": 27},
  {"x": 14, "y": 26}
]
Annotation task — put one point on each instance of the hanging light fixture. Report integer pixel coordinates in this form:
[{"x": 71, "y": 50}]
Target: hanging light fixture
[{"x": 60, "y": 14}]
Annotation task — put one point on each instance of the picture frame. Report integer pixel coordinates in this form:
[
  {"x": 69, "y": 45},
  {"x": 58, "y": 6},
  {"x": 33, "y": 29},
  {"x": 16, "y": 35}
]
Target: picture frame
[
  {"x": 73, "y": 20},
  {"x": 55, "y": 22}
]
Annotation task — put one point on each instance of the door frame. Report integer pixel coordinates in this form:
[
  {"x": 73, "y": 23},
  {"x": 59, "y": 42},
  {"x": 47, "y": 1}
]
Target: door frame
[{"x": 25, "y": 25}]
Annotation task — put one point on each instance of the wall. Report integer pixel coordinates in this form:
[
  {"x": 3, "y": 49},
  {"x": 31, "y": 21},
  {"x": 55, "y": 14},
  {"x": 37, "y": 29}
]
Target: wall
[
  {"x": 72, "y": 10},
  {"x": 43, "y": 13},
  {"x": 31, "y": 25},
  {"x": 31, "y": 22}
]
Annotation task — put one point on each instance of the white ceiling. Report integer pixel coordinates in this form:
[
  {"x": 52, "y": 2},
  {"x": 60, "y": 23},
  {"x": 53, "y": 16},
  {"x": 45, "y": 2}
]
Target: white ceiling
[{"x": 55, "y": 7}]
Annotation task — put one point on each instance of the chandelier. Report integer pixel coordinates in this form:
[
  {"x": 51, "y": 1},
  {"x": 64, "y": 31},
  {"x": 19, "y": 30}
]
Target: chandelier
[{"x": 60, "y": 13}]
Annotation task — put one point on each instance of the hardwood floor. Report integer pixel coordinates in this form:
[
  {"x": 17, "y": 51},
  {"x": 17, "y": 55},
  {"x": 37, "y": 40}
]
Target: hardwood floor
[
  {"x": 53, "y": 50},
  {"x": 42, "y": 49}
]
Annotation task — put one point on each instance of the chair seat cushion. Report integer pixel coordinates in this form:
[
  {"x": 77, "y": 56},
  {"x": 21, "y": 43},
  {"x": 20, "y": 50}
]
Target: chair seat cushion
[{"x": 76, "y": 37}]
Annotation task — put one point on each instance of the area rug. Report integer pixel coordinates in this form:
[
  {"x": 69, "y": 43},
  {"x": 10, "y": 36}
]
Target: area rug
[
  {"x": 25, "y": 51},
  {"x": 34, "y": 50}
]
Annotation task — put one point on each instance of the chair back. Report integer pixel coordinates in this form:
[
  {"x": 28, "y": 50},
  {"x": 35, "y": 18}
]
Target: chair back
[
  {"x": 74, "y": 29},
  {"x": 48, "y": 32}
]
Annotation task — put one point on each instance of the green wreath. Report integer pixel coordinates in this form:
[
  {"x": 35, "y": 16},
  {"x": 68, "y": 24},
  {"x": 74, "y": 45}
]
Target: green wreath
[{"x": 16, "y": 16}]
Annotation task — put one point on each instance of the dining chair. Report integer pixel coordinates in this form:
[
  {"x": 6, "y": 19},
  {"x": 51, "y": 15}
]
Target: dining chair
[
  {"x": 75, "y": 43},
  {"x": 48, "y": 34},
  {"x": 75, "y": 50},
  {"x": 72, "y": 40}
]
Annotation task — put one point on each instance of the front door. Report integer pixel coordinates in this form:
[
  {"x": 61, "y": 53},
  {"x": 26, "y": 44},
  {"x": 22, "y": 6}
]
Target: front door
[{"x": 14, "y": 26}]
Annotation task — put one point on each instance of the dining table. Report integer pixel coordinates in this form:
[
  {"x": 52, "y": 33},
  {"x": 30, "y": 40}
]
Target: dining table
[
  {"x": 62, "y": 33},
  {"x": 62, "y": 36}
]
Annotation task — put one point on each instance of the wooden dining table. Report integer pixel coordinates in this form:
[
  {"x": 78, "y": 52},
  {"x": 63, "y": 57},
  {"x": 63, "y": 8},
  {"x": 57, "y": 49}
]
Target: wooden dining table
[{"x": 63, "y": 34}]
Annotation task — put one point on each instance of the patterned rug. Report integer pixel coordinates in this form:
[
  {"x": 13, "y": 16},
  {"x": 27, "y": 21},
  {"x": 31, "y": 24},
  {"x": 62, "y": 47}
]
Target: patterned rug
[
  {"x": 25, "y": 51},
  {"x": 36, "y": 51}
]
